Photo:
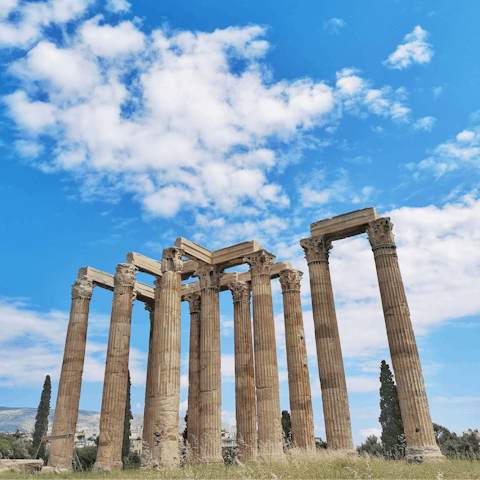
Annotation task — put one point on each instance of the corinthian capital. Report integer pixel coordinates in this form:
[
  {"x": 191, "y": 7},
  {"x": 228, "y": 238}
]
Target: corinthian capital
[
  {"x": 316, "y": 249},
  {"x": 82, "y": 288},
  {"x": 172, "y": 260},
  {"x": 260, "y": 262},
  {"x": 380, "y": 232},
  {"x": 194, "y": 301},
  {"x": 209, "y": 276},
  {"x": 290, "y": 280},
  {"x": 125, "y": 274},
  {"x": 240, "y": 291}
]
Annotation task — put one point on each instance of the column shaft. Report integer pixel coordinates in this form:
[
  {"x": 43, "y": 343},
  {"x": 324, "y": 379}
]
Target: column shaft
[
  {"x": 112, "y": 416},
  {"x": 245, "y": 408},
  {"x": 297, "y": 363},
  {"x": 166, "y": 361},
  {"x": 329, "y": 353},
  {"x": 421, "y": 444},
  {"x": 266, "y": 368},
  {"x": 68, "y": 398},
  {"x": 193, "y": 411},
  {"x": 210, "y": 398}
]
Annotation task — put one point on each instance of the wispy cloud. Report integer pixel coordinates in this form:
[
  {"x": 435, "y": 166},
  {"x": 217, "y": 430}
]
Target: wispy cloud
[
  {"x": 437, "y": 91},
  {"x": 413, "y": 50},
  {"x": 334, "y": 25},
  {"x": 425, "y": 123}
]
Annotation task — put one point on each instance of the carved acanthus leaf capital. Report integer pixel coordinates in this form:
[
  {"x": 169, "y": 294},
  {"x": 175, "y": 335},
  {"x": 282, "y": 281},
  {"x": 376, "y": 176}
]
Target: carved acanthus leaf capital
[
  {"x": 290, "y": 280},
  {"x": 316, "y": 249},
  {"x": 240, "y": 291},
  {"x": 83, "y": 287},
  {"x": 194, "y": 301},
  {"x": 172, "y": 260},
  {"x": 125, "y": 274},
  {"x": 209, "y": 276},
  {"x": 260, "y": 262},
  {"x": 380, "y": 232}
]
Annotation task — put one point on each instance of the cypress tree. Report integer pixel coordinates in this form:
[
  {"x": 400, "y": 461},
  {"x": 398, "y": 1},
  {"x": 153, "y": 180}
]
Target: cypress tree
[
  {"x": 126, "y": 424},
  {"x": 393, "y": 434},
  {"x": 287, "y": 426},
  {"x": 41, "y": 421}
]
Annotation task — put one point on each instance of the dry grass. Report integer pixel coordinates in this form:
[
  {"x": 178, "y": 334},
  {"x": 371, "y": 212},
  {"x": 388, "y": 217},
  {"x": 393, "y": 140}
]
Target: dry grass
[{"x": 297, "y": 465}]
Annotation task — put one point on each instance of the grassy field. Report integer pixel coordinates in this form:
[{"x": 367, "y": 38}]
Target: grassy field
[{"x": 297, "y": 465}]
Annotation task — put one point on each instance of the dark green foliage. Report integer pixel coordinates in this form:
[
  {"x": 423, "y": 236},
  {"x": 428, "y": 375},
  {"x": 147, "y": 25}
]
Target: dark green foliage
[
  {"x": 393, "y": 434},
  {"x": 320, "y": 444},
  {"x": 87, "y": 457},
  {"x": 371, "y": 447},
  {"x": 286, "y": 427},
  {"x": 126, "y": 423},
  {"x": 185, "y": 431},
  {"x": 453, "y": 446},
  {"x": 132, "y": 462},
  {"x": 41, "y": 421},
  {"x": 229, "y": 455},
  {"x": 14, "y": 445}
]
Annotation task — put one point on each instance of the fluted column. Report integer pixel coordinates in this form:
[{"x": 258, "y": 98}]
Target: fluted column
[
  {"x": 109, "y": 455},
  {"x": 297, "y": 363},
  {"x": 163, "y": 444},
  {"x": 266, "y": 368},
  {"x": 245, "y": 409},
  {"x": 148, "y": 408},
  {"x": 194, "y": 301},
  {"x": 329, "y": 353},
  {"x": 210, "y": 399},
  {"x": 421, "y": 444},
  {"x": 68, "y": 398}
]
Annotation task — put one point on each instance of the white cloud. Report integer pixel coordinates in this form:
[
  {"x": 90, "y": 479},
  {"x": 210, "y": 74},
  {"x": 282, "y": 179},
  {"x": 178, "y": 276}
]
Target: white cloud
[
  {"x": 413, "y": 50},
  {"x": 334, "y": 25},
  {"x": 363, "y": 383},
  {"x": 475, "y": 116},
  {"x": 118, "y": 5},
  {"x": 367, "y": 432},
  {"x": 425, "y": 123},
  {"x": 437, "y": 91}
]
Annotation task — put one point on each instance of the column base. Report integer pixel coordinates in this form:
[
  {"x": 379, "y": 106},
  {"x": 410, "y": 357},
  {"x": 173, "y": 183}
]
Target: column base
[
  {"x": 423, "y": 454},
  {"x": 99, "y": 466}
]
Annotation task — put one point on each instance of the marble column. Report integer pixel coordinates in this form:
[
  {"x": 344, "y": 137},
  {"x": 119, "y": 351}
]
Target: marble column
[
  {"x": 210, "y": 398},
  {"x": 298, "y": 378},
  {"x": 194, "y": 302},
  {"x": 245, "y": 409},
  {"x": 148, "y": 408},
  {"x": 266, "y": 368},
  {"x": 109, "y": 455},
  {"x": 421, "y": 444},
  {"x": 68, "y": 398},
  {"x": 163, "y": 444},
  {"x": 329, "y": 353}
]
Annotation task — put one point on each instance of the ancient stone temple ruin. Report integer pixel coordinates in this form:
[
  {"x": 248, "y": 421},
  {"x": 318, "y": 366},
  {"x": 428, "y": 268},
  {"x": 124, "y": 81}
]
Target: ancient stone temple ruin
[{"x": 257, "y": 402}]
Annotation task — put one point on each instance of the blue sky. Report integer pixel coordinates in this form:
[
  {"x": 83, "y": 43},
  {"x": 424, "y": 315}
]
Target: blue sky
[{"x": 126, "y": 125}]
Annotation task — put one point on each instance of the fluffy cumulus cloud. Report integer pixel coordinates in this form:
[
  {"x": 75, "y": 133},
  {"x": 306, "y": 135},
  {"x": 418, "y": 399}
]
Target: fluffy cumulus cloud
[
  {"x": 414, "y": 49},
  {"x": 459, "y": 153},
  {"x": 182, "y": 120}
]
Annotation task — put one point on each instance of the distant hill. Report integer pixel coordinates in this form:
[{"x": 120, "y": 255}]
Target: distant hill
[{"x": 23, "y": 419}]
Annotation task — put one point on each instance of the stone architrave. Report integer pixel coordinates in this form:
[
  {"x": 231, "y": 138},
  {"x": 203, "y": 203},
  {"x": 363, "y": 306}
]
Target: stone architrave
[
  {"x": 421, "y": 444},
  {"x": 109, "y": 455},
  {"x": 193, "y": 424},
  {"x": 148, "y": 409},
  {"x": 163, "y": 444},
  {"x": 266, "y": 369},
  {"x": 245, "y": 409},
  {"x": 298, "y": 378},
  {"x": 68, "y": 398},
  {"x": 329, "y": 354},
  {"x": 210, "y": 398}
]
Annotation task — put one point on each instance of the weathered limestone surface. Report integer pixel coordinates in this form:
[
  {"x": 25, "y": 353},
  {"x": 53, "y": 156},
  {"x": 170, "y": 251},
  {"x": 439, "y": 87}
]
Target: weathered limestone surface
[
  {"x": 29, "y": 465},
  {"x": 194, "y": 301},
  {"x": 330, "y": 363},
  {"x": 266, "y": 368},
  {"x": 245, "y": 409},
  {"x": 297, "y": 363},
  {"x": 109, "y": 455},
  {"x": 210, "y": 441},
  {"x": 66, "y": 411},
  {"x": 163, "y": 444},
  {"x": 148, "y": 420},
  {"x": 421, "y": 444}
]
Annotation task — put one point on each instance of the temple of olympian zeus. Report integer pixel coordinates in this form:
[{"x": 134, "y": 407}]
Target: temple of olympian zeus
[{"x": 257, "y": 403}]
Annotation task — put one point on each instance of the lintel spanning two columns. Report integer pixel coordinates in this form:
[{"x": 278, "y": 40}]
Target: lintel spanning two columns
[{"x": 421, "y": 444}]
